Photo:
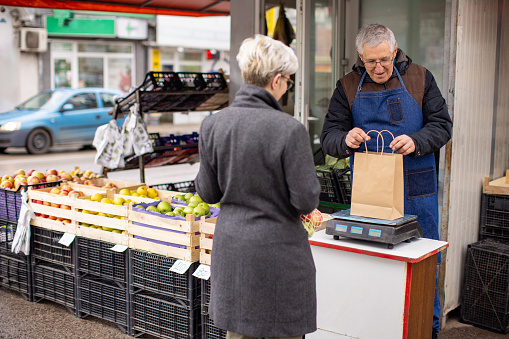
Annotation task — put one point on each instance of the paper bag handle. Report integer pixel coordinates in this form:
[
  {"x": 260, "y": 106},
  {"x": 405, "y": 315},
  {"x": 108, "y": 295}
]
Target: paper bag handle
[{"x": 379, "y": 136}]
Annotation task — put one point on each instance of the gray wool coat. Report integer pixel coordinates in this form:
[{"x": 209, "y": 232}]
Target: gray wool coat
[{"x": 257, "y": 161}]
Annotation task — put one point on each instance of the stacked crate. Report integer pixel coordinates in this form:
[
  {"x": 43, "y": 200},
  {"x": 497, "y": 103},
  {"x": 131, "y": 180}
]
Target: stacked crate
[
  {"x": 102, "y": 275},
  {"x": 485, "y": 294},
  {"x": 53, "y": 268},
  {"x": 164, "y": 303}
]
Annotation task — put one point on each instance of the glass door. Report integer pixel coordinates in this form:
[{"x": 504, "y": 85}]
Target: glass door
[{"x": 318, "y": 48}]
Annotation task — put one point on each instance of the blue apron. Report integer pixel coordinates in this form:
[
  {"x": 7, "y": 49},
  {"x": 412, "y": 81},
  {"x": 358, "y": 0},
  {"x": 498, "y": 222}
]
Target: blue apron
[{"x": 397, "y": 111}]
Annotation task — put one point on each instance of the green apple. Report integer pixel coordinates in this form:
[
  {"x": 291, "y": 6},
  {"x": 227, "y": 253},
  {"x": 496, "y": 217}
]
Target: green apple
[
  {"x": 217, "y": 204},
  {"x": 179, "y": 197},
  {"x": 188, "y": 210},
  {"x": 117, "y": 231},
  {"x": 119, "y": 201},
  {"x": 171, "y": 214},
  {"x": 205, "y": 206},
  {"x": 192, "y": 204},
  {"x": 125, "y": 191},
  {"x": 199, "y": 211},
  {"x": 152, "y": 208},
  {"x": 164, "y": 207},
  {"x": 188, "y": 196},
  {"x": 139, "y": 206},
  {"x": 195, "y": 198}
]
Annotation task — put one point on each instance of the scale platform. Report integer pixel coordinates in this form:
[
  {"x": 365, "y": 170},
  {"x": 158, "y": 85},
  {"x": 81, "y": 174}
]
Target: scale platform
[{"x": 390, "y": 232}]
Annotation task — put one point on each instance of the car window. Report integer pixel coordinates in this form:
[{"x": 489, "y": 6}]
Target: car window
[
  {"x": 83, "y": 101},
  {"x": 108, "y": 99}
]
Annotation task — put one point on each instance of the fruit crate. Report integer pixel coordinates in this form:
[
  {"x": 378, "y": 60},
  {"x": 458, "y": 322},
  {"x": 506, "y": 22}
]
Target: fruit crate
[
  {"x": 96, "y": 257},
  {"x": 182, "y": 186},
  {"x": 207, "y": 227},
  {"x": 103, "y": 184},
  {"x": 53, "y": 211},
  {"x": 164, "y": 317},
  {"x": 151, "y": 272},
  {"x": 45, "y": 247},
  {"x": 10, "y": 200},
  {"x": 329, "y": 191},
  {"x": 7, "y": 232},
  {"x": 15, "y": 274},
  {"x": 55, "y": 283},
  {"x": 104, "y": 299},
  {"x": 209, "y": 331},
  {"x": 494, "y": 223},
  {"x": 485, "y": 293},
  {"x": 161, "y": 234}
]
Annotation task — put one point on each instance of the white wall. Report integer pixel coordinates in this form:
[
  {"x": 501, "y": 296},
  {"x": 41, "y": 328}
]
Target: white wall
[{"x": 9, "y": 80}]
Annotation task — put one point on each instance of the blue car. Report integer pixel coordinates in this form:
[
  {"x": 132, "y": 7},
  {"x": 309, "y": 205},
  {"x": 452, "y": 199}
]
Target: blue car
[{"x": 63, "y": 116}]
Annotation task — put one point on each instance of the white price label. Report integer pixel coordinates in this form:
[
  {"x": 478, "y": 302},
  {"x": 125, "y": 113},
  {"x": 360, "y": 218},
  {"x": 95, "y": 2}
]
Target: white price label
[
  {"x": 67, "y": 239},
  {"x": 202, "y": 272},
  {"x": 119, "y": 248},
  {"x": 180, "y": 266}
]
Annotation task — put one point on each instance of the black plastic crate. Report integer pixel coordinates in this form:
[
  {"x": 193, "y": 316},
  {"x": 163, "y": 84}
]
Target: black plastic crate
[
  {"x": 344, "y": 185},
  {"x": 163, "y": 316},
  {"x": 10, "y": 200},
  {"x": 45, "y": 247},
  {"x": 151, "y": 272},
  {"x": 328, "y": 186},
  {"x": 105, "y": 299},
  {"x": 183, "y": 186},
  {"x": 209, "y": 330},
  {"x": 96, "y": 257},
  {"x": 494, "y": 223},
  {"x": 205, "y": 296},
  {"x": 54, "y": 283},
  {"x": 485, "y": 294},
  {"x": 7, "y": 231},
  {"x": 15, "y": 273}
]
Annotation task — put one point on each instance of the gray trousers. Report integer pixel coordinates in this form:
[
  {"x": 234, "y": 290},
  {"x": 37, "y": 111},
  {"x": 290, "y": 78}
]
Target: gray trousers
[{"x": 233, "y": 335}]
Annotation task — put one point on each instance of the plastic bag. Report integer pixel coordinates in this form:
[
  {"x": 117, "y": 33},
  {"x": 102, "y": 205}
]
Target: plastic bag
[
  {"x": 109, "y": 143},
  {"x": 21, "y": 240},
  {"x": 136, "y": 137}
]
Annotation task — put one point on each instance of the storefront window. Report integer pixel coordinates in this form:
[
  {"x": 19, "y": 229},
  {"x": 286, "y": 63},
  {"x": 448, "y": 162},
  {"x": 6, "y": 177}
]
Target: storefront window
[
  {"x": 63, "y": 74},
  {"x": 104, "y": 48},
  {"x": 91, "y": 73},
  {"x": 190, "y": 68},
  {"x": 120, "y": 74},
  {"x": 191, "y": 56},
  {"x": 61, "y": 47}
]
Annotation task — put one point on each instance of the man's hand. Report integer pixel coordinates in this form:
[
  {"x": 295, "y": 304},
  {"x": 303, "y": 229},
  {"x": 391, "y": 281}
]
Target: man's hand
[
  {"x": 403, "y": 144},
  {"x": 356, "y": 137}
]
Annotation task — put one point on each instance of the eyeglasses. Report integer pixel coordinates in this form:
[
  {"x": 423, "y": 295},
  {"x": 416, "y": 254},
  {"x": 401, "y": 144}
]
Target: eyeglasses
[
  {"x": 383, "y": 63},
  {"x": 289, "y": 82}
]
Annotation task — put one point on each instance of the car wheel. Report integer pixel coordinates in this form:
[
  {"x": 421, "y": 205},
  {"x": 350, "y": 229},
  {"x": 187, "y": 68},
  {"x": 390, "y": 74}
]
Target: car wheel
[
  {"x": 2, "y": 150},
  {"x": 38, "y": 141}
]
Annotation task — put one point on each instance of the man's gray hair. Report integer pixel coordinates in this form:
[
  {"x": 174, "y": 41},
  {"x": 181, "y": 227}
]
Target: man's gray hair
[
  {"x": 261, "y": 58},
  {"x": 373, "y": 35}
]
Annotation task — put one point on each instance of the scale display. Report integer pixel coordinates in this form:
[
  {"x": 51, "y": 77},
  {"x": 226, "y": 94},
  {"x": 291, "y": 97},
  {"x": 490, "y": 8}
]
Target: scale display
[{"x": 390, "y": 232}]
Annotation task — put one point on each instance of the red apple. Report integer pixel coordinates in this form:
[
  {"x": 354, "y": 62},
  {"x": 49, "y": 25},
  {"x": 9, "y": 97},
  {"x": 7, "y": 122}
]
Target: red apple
[
  {"x": 9, "y": 178},
  {"x": 43, "y": 180},
  {"x": 51, "y": 171},
  {"x": 52, "y": 177},
  {"x": 66, "y": 187},
  {"x": 44, "y": 216},
  {"x": 79, "y": 193},
  {"x": 64, "y": 193},
  {"x": 6, "y": 184},
  {"x": 30, "y": 172},
  {"x": 66, "y": 221},
  {"x": 20, "y": 171},
  {"x": 52, "y": 217},
  {"x": 65, "y": 207},
  {"x": 19, "y": 183},
  {"x": 46, "y": 203},
  {"x": 55, "y": 205},
  {"x": 33, "y": 180},
  {"x": 65, "y": 176},
  {"x": 87, "y": 182}
]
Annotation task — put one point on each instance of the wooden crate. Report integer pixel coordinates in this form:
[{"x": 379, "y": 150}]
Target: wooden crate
[
  {"x": 98, "y": 185},
  {"x": 48, "y": 212},
  {"x": 160, "y": 229},
  {"x": 207, "y": 227},
  {"x": 498, "y": 186}
]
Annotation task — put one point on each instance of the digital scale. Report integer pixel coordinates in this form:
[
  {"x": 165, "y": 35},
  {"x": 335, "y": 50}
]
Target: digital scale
[{"x": 390, "y": 232}]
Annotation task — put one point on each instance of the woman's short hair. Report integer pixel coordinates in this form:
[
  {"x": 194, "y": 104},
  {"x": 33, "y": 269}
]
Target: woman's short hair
[
  {"x": 373, "y": 35},
  {"x": 261, "y": 58}
]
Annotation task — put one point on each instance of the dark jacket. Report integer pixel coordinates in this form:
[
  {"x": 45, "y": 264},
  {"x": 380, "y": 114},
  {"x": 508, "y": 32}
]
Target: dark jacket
[
  {"x": 420, "y": 84},
  {"x": 257, "y": 161}
]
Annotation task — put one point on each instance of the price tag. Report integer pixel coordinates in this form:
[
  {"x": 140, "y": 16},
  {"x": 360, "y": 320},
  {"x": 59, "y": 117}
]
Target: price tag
[
  {"x": 202, "y": 272},
  {"x": 119, "y": 248},
  {"x": 67, "y": 239},
  {"x": 180, "y": 266}
]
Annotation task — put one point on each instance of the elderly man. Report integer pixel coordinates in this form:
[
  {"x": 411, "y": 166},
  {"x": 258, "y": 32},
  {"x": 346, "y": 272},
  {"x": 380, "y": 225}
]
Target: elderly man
[{"x": 386, "y": 91}]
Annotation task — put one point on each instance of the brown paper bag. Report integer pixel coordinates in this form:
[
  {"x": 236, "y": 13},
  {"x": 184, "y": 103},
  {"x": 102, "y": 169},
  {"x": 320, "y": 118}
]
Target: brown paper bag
[{"x": 377, "y": 184}]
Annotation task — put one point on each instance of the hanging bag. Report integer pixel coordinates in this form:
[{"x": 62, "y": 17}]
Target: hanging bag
[{"x": 377, "y": 184}]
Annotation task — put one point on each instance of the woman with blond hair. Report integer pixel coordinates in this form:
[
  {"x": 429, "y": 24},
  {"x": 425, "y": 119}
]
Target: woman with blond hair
[{"x": 257, "y": 161}]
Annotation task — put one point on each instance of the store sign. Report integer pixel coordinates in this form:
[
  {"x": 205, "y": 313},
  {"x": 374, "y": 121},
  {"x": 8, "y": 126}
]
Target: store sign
[
  {"x": 190, "y": 32},
  {"x": 130, "y": 28},
  {"x": 80, "y": 27}
]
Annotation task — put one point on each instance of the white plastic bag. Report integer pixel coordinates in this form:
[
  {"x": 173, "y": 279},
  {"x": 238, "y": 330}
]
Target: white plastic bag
[
  {"x": 135, "y": 134},
  {"x": 109, "y": 143},
  {"x": 21, "y": 240}
]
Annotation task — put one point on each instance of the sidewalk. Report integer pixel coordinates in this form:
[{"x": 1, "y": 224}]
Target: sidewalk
[{"x": 21, "y": 319}]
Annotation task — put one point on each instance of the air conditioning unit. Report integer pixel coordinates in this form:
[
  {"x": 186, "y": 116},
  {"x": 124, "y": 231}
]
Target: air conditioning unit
[{"x": 33, "y": 39}]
